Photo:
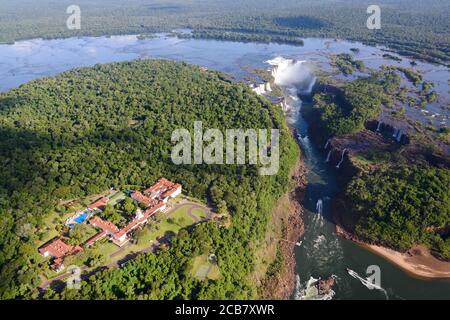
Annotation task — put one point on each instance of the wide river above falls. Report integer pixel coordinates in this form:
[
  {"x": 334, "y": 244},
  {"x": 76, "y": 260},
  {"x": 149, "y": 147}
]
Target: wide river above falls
[{"x": 322, "y": 253}]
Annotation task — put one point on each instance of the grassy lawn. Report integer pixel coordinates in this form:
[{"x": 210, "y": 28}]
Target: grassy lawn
[
  {"x": 180, "y": 217},
  {"x": 116, "y": 198},
  {"x": 168, "y": 221},
  {"x": 202, "y": 269},
  {"x": 174, "y": 224},
  {"x": 50, "y": 222},
  {"x": 200, "y": 213},
  {"x": 88, "y": 232}
]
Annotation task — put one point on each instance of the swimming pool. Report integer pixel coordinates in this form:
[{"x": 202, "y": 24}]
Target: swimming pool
[{"x": 82, "y": 217}]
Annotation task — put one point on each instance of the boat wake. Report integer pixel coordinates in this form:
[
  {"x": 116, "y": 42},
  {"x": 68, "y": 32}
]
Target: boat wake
[{"x": 366, "y": 282}]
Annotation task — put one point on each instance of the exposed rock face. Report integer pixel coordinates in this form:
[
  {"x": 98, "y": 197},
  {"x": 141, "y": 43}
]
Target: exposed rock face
[
  {"x": 324, "y": 286},
  {"x": 389, "y": 131},
  {"x": 284, "y": 284},
  {"x": 281, "y": 285}
]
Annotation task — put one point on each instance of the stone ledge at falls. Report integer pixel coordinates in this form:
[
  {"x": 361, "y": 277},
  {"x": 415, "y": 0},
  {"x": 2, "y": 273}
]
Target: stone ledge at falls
[{"x": 376, "y": 144}]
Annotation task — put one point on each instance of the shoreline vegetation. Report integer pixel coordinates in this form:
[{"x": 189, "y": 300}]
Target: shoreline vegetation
[{"x": 417, "y": 261}]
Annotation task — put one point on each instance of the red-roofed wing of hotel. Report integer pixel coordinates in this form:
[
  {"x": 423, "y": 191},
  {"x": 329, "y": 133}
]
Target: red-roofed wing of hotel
[
  {"x": 139, "y": 197},
  {"x": 109, "y": 227},
  {"x": 154, "y": 200},
  {"x": 164, "y": 189},
  {"x": 58, "y": 249},
  {"x": 99, "y": 204},
  {"x": 141, "y": 218}
]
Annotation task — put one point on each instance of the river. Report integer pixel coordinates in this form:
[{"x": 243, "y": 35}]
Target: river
[{"x": 322, "y": 252}]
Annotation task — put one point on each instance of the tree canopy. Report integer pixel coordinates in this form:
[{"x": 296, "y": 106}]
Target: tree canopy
[
  {"x": 403, "y": 206},
  {"x": 91, "y": 129}
]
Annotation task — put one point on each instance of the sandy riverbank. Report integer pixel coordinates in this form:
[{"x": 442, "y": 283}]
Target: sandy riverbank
[{"x": 417, "y": 261}]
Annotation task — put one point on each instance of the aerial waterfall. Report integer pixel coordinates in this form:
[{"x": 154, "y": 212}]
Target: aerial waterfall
[
  {"x": 326, "y": 144},
  {"x": 292, "y": 73},
  {"x": 379, "y": 126},
  {"x": 395, "y": 133},
  {"x": 310, "y": 291},
  {"x": 260, "y": 89},
  {"x": 319, "y": 206},
  {"x": 328, "y": 156},
  {"x": 342, "y": 158},
  {"x": 399, "y": 136}
]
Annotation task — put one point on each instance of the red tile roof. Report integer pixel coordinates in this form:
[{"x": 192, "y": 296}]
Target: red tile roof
[
  {"x": 59, "y": 249},
  {"x": 156, "y": 205},
  {"x": 153, "y": 209},
  {"x": 129, "y": 227},
  {"x": 138, "y": 196},
  {"x": 99, "y": 203},
  {"x": 163, "y": 188},
  {"x": 57, "y": 264},
  {"x": 95, "y": 238},
  {"x": 106, "y": 226},
  {"x": 169, "y": 192}
]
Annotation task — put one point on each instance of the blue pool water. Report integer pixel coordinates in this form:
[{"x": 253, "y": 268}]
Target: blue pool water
[{"x": 81, "y": 217}]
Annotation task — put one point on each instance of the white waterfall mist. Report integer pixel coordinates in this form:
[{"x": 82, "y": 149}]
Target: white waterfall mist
[
  {"x": 295, "y": 78},
  {"x": 292, "y": 73},
  {"x": 342, "y": 158},
  {"x": 399, "y": 136},
  {"x": 328, "y": 156},
  {"x": 379, "y": 126},
  {"x": 319, "y": 206},
  {"x": 310, "y": 291},
  {"x": 395, "y": 134}
]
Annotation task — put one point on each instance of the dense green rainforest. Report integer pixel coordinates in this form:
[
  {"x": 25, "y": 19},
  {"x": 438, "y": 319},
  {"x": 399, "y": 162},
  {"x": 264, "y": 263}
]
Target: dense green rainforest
[
  {"x": 403, "y": 205},
  {"x": 91, "y": 129},
  {"x": 410, "y": 27}
]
